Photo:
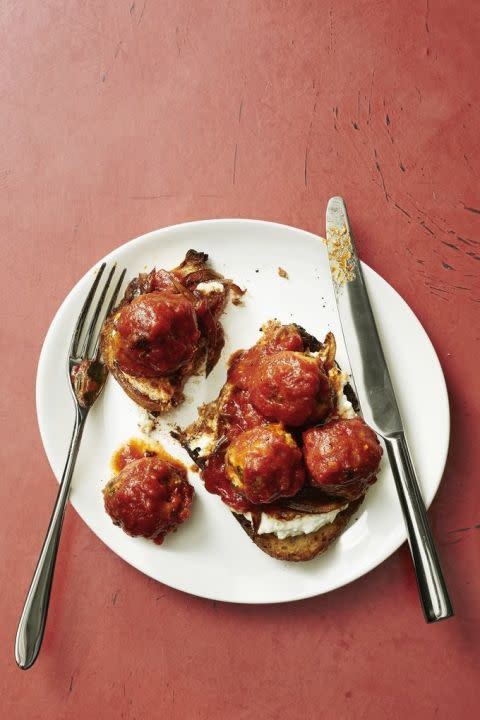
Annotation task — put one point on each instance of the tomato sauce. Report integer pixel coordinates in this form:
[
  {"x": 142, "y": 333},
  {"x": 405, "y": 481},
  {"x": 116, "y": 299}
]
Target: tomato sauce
[
  {"x": 238, "y": 414},
  {"x": 243, "y": 362},
  {"x": 135, "y": 449},
  {"x": 216, "y": 482}
]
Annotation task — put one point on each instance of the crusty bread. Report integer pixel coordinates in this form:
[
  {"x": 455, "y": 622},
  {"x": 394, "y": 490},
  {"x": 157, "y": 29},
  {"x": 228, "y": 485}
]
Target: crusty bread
[
  {"x": 301, "y": 547},
  {"x": 307, "y": 502},
  {"x": 162, "y": 394}
]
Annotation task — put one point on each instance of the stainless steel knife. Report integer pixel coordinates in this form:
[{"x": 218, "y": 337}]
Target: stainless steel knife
[{"x": 374, "y": 389}]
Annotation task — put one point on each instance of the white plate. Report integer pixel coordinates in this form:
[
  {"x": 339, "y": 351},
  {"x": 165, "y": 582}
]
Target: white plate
[{"x": 211, "y": 556}]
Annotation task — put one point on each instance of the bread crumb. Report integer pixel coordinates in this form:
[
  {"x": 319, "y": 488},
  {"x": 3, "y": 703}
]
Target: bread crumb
[
  {"x": 341, "y": 255},
  {"x": 237, "y": 301},
  {"x": 283, "y": 273},
  {"x": 146, "y": 422}
]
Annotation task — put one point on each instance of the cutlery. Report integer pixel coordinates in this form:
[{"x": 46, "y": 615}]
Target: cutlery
[
  {"x": 373, "y": 386},
  {"x": 86, "y": 378}
]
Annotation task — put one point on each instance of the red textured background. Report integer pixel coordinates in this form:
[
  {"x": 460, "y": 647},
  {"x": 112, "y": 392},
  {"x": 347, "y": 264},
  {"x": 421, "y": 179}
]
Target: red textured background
[{"x": 118, "y": 117}]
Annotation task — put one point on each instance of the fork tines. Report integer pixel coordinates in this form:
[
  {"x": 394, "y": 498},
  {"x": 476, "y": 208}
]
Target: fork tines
[{"x": 89, "y": 347}]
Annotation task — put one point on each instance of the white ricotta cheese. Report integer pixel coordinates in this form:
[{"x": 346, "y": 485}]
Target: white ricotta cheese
[
  {"x": 301, "y": 525},
  {"x": 154, "y": 393},
  {"x": 212, "y": 286},
  {"x": 344, "y": 406},
  {"x": 204, "y": 443}
]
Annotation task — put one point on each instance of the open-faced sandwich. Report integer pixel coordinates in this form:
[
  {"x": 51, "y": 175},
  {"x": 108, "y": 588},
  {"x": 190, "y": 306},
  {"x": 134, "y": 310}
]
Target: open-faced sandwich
[
  {"x": 282, "y": 445},
  {"x": 166, "y": 329}
]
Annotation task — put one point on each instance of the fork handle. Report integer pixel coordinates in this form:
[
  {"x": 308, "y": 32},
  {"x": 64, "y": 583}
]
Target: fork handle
[
  {"x": 34, "y": 616},
  {"x": 431, "y": 584}
]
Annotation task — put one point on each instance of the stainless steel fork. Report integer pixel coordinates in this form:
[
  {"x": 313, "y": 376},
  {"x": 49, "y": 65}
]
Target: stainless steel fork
[{"x": 86, "y": 377}]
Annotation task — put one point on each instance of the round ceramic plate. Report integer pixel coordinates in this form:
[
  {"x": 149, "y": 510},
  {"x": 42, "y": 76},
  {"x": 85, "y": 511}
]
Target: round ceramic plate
[{"x": 210, "y": 555}]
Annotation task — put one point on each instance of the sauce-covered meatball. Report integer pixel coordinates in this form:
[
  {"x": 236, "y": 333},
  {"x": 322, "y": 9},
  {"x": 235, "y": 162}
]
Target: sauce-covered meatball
[
  {"x": 217, "y": 482},
  {"x": 265, "y": 463},
  {"x": 149, "y": 497},
  {"x": 157, "y": 334},
  {"x": 237, "y": 414},
  {"x": 342, "y": 457},
  {"x": 243, "y": 363},
  {"x": 291, "y": 388}
]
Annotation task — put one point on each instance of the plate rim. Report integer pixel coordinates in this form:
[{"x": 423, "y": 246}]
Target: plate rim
[{"x": 366, "y": 567}]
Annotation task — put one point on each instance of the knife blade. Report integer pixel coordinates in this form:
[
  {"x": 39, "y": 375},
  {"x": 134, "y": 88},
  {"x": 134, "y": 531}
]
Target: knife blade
[{"x": 376, "y": 395}]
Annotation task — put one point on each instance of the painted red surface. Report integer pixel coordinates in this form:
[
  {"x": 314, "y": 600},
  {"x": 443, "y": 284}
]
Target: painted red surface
[{"x": 120, "y": 117}]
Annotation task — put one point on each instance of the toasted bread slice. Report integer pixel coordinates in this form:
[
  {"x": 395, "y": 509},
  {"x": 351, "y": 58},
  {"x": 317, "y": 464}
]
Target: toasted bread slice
[
  {"x": 193, "y": 277},
  {"x": 301, "y": 547},
  {"x": 203, "y": 437}
]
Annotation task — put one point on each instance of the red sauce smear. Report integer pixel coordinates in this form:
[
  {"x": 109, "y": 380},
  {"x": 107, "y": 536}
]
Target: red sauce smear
[
  {"x": 134, "y": 449},
  {"x": 216, "y": 482}
]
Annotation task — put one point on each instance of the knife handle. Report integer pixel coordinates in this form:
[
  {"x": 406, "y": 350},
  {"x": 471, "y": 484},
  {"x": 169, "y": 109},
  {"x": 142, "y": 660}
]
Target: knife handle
[{"x": 431, "y": 584}]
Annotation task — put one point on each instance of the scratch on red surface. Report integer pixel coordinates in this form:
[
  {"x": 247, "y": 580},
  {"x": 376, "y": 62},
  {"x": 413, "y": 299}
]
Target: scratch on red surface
[
  {"x": 335, "y": 118},
  {"x": 427, "y": 12},
  {"x": 141, "y": 14},
  {"x": 331, "y": 47},
  {"x": 462, "y": 529},
  {"x": 467, "y": 162},
  {"x": 429, "y": 230},
  {"x": 149, "y": 197},
  {"x": 472, "y": 209},
  {"x": 234, "y": 173},
  {"x": 380, "y": 172},
  {"x": 309, "y": 137},
  {"x": 468, "y": 241},
  {"x": 450, "y": 245},
  {"x": 370, "y": 97},
  {"x": 399, "y": 207},
  {"x": 177, "y": 40},
  {"x": 387, "y": 124}
]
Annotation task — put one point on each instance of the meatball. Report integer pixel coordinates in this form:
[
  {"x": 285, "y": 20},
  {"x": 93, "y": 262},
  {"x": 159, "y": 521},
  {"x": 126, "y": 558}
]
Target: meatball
[
  {"x": 291, "y": 388},
  {"x": 265, "y": 463},
  {"x": 149, "y": 497},
  {"x": 157, "y": 334},
  {"x": 238, "y": 414},
  {"x": 342, "y": 457},
  {"x": 244, "y": 362}
]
